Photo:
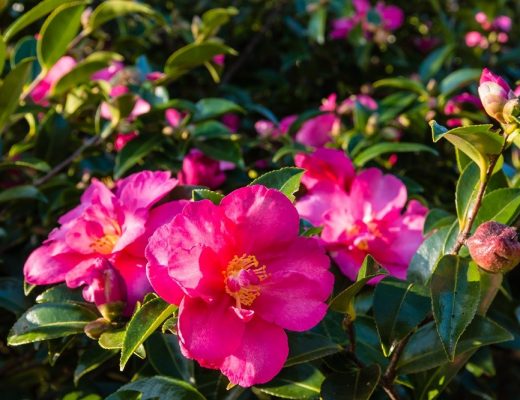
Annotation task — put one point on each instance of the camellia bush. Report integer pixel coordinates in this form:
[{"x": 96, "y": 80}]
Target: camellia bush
[{"x": 259, "y": 199}]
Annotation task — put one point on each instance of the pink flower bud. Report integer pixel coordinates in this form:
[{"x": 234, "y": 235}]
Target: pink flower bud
[
  {"x": 198, "y": 169},
  {"x": 495, "y": 247},
  {"x": 494, "y": 93}
]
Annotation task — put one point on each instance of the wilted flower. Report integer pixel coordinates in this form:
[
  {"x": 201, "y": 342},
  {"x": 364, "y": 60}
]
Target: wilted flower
[
  {"x": 100, "y": 243},
  {"x": 495, "y": 247},
  {"x": 199, "y": 169},
  {"x": 494, "y": 93},
  {"x": 241, "y": 275}
]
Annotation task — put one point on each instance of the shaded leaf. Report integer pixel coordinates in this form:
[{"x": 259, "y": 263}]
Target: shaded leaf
[
  {"x": 384, "y": 148},
  {"x": 299, "y": 382},
  {"x": 159, "y": 388},
  {"x": 359, "y": 384}
]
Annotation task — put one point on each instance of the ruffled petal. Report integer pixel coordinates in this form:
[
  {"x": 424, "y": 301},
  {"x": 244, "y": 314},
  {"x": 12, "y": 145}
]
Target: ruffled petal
[
  {"x": 319, "y": 200},
  {"x": 260, "y": 356}
]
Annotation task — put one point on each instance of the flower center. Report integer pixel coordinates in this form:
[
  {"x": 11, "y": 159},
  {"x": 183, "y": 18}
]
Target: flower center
[
  {"x": 242, "y": 278},
  {"x": 105, "y": 244}
]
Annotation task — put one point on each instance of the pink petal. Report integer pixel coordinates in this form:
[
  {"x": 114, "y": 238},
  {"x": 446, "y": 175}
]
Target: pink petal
[
  {"x": 133, "y": 272},
  {"x": 349, "y": 261},
  {"x": 209, "y": 332},
  {"x": 261, "y": 355},
  {"x": 317, "y": 202},
  {"x": 316, "y": 131},
  {"x": 293, "y": 301},
  {"x": 163, "y": 285},
  {"x": 50, "y": 263},
  {"x": 263, "y": 217},
  {"x": 144, "y": 189}
]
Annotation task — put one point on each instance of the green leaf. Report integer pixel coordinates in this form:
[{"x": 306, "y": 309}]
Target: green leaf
[
  {"x": 424, "y": 260},
  {"x": 164, "y": 354},
  {"x": 134, "y": 152},
  {"x": 205, "y": 194},
  {"x": 49, "y": 321},
  {"x": 344, "y": 301},
  {"x": 90, "y": 359},
  {"x": 358, "y": 384},
  {"x": 317, "y": 25},
  {"x": 34, "y": 14},
  {"x": 459, "y": 79},
  {"x": 11, "y": 89},
  {"x": 384, "y": 148},
  {"x": 58, "y": 30},
  {"x": 437, "y": 218},
  {"x": 3, "y": 53},
  {"x": 455, "y": 292},
  {"x": 213, "y": 19},
  {"x": 402, "y": 83},
  {"x": 398, "y": 308},
  {"x": 21, "y": 192},
  {"x": 286, "y": 180},
  {"x": 466, "y": 191},
  {"x": 12, "y": 297},
  {"x": 309, "y": 346},
  {"x": 222, "y": 149},
  {"x": 425, "y": 350},
  {"x": 27, "y": 162},
  {"x": 214, "y": 107},
  {"x": 433, "y": 63},
  {"x": 302, "y": 381},
  {"x": 60, "y": 294},
  {"x": 83, "y": 71},
  {"x": 111, "y": 9},
  {"x": 158, "y": 388},
  {"x": 211, "y": 129},
  {"x": 501, "y": 205},
  {"x": 478, "y": 142},
  {"x": 193, "y": 55},
  {"x": 143, "y": 323}
]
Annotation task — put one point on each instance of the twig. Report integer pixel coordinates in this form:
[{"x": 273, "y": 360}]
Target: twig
[{"x": 89, "y": 142}]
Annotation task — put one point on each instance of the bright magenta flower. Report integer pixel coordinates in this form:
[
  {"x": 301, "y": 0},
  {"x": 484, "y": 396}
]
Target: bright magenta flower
[
  {"x": 392, "y": 16},
  {"x": 100, "y": 243},
  {"x": 199, "y": 169},
  {"x": 341, "y": 27},
  {"x": 241, "y": 275},
  {"x": 371, "y": 220},
  {"x": 106, "y": 74},
  {"x": 42, "y": 89},
  {"x": 267, "y": 128},
  {"x": 494, "y": 93}
]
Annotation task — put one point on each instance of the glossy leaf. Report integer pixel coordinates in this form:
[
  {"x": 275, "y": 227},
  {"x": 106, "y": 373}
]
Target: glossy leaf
[
  {"x": 11, "y": 295},
  {"x": 501, "y": 205},
  {"x": 213, "y": 19},
  {"x": 143, "y": 323},
  {"x": 437, "y": 218},
  {"x": 134, "y": 152},
  {"x": 58, "y": 30},
  {"x": 425, "y": 350},
  {"x": 317, "y": 25},
  {"x": 60, "y": 294},
  {"x": 49, "y": 321},
  {"x": 433, "y": 63},
  {"x": 299, "y": 382},
  {"x": 455, "y": 290},
  {"x": 91, "y": 359},
  {"x": 211, "y": 129},
  {"x": 21, "y": 192},
  {"x": 478, "y": 142},
  {"x": 402, "y": 83},
  {"x": 202, "y": 194},
  {"x": 466, "y": 191},
  {"x": 108, "y": 10},
  {"x": 359, "y": 384},
  {"x": 459, "y": 79},
  {"x": 158, "y": 388},
  {"x": 384, "y": 148},
  {"x": 309, "y": 346},
  {"x": 164, "y": 353},
  {"x": 286, "y": 180},
  {"x": 222, "y": 149},
  {"x": 214, "y": 107},
  {"x": 11, "y": 89}
]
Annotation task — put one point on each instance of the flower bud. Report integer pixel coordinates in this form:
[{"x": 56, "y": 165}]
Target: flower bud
[
  {"x": 95, "y": 328},
  {"x": 495, "y": 247},
  {"x": 494, "y": 93},
  {"x": 512, "y": 111}
]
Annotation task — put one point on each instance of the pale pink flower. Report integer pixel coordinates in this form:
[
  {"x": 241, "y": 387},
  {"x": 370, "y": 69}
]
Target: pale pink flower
[
  {"x": 494, "y": 93},
  {"x": 372, "y": 219},
  {"x": 348, "y": 105},
  {"x": 241, "y": 275},
  {"x": 483, "y": 20},
  {"x": 502, "y": 37},
  {"x": 199, "y": 169},
  {"x": 100, "y": 243},
  {"x": 474, "y": 39},
  {"x": 140, "y": 106},
  {"x": 42, "y": 90},
  {"x": 267, "y": 128}
]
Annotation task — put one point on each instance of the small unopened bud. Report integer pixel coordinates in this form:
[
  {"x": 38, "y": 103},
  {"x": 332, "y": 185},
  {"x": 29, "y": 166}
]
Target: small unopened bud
[
  {"x": 512, "y": 111},
  {"x": 95, "y": 328},
  {"x": 494, "y": 93},
  {"x": 495, "y": 247}
]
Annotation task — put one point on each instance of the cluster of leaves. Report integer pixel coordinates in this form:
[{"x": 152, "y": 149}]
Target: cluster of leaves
[{"x": 430, "y": 334}]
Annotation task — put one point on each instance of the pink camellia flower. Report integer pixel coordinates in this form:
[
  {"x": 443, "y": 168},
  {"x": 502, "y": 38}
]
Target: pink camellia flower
[
  {"x": 327, "y": 178},
  {"x": 267, "y": 128},
  {"x": 155, "y": 76},
  {"x": 318, "y": 131},
  {"x": 348, "y": 105},
  {"x": 494, "y": 93},
  {"x": 199, "y": 169},
  {"x": 392, "y": 16},
  {"x": 219, "y": 59},
  {"x": 362, "y": 7},
  {"x": 241, "y": 275},
  {"x": 341, "y": 27},
  {"x": 122, "y": 139},
  {"x": 459, "y": 103},
  {"x": 232, "y": 121},
  {"x": 140, "y": 107},
  {"x": 503, "y": 23},
  {"x": 370, "y": 220},
  {"x": 108, "y": 73},
  {"x": 41, "y": 91},
  {"x": 483, "y": 20},
  {"x": 100, "y": 243},
  {"x": 174, "y": 117},
  {"x": 475, "y": 39}
]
